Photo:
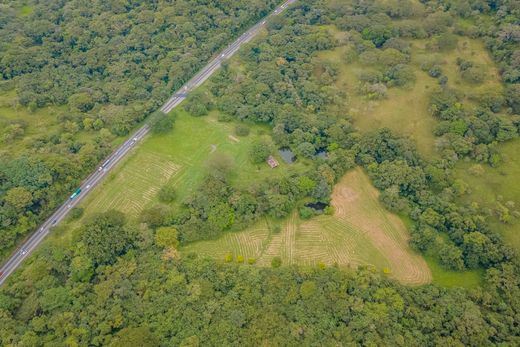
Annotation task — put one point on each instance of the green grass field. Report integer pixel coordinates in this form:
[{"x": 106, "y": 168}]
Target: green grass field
[
  {"x": 446, "y": 278},
  {"x": 405, "y": 109},
  {"x": 40, "y": 122},
  {"x": 487, "y": 185},
  {"x": 178, "y": 158},
  {"x": 360, "y": 233}
]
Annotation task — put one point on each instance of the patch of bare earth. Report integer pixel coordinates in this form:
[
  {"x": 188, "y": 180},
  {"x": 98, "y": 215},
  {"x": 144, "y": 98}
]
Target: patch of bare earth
[{"x": 356, "y": 202}]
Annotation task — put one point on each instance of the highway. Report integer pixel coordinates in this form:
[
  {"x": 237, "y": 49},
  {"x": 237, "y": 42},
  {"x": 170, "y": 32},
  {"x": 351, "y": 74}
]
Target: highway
[
  {"x": 215, "y": 63},
  {"x": 109, "y": 163}
]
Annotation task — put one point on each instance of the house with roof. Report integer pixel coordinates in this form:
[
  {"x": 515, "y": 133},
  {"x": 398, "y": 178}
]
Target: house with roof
[{"x": 272, "y": 162}]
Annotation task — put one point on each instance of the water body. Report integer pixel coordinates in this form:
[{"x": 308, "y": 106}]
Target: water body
[
  {"x": 287, "y": 155},
  {"x": 322, "y": 154},
  {"x": 318, "y": 206}
]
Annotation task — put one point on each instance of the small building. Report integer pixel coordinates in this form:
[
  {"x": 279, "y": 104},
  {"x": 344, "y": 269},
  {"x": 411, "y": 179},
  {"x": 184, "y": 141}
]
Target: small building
[{"x": 272, "y": 162}]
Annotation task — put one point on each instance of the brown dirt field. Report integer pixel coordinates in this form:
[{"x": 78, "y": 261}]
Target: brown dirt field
[{"x": 356, "y": 203}]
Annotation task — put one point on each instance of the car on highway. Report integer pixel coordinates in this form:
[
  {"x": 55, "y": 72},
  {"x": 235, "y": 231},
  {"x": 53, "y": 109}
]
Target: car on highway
[{"x": 121, "y": 151}]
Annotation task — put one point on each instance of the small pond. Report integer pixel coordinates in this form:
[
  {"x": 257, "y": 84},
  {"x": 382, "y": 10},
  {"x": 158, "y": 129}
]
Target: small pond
[
  {"x": 322, "y": 154},
  {"x": 287, "y": 155},
  {"x": 318, "y": 206}
]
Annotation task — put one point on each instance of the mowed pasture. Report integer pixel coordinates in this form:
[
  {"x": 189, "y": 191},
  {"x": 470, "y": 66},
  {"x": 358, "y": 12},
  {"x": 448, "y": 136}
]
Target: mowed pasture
[
  {"x": 360, "y": 233},
  {"x": 135, "y": 185},
  {"x": 179, "y": 159}
]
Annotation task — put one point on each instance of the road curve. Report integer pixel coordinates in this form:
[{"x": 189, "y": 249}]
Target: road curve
[{"x": 109, "y": 163}]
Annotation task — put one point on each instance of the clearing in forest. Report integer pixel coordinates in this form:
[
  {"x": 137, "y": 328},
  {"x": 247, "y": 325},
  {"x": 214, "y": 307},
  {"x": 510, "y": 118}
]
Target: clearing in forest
[
  {"x": 405, "y": 109},
  {"x": 19, "y": 127},
  {"x": 178, "y": 158},
  {"x": 497, "y": 189},
  {"x": 361, "y": 232}
]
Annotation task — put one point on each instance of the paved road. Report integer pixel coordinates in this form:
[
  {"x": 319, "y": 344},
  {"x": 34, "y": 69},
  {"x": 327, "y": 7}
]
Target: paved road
[
  {"x": 93, "y": 180},
  {"x": 214, "y": 64}
]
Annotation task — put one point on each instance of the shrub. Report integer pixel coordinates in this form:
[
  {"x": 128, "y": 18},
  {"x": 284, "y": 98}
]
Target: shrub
[
  {"x": 224, "y": 118},
  {"x": 443, "y": 80},
  {"x": 374, "y": 91},
  {"x": 446, "y": 42},
  {"x": 473, "y": 75},
  {"x": 398, "y": 44},
  {"x": 306, "y": 212},
  {"x": 166, "y": 237},
  {"x": 228, "y": 258},
  {"x": 391, "y": 57},
  {"x": 400, "y": 75},
  {"x": 276, "y": 262},
  {"x": 241, "y": 130},
  {"x": 167, "y": 194},
  {"x": 370, "y": 57},
  {"x": 435, "y": 71},
  {"x": 329, "y": 210},
  {"x": 370, "y": 76},
  {"x": 259, "y": 151}
]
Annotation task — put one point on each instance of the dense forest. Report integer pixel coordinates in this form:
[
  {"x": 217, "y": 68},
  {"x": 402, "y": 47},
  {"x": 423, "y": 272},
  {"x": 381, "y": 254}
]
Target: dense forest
[
  {"x": 122, "y": 283},
  {"x": 109, "y": 64}
]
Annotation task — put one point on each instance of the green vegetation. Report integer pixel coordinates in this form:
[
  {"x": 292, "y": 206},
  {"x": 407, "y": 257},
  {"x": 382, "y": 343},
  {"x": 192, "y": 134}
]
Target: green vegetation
[
  {"x": 178, "y": 159},
  {"x": 452, "y": 279},
  {"x": 77, "y": 77},
  {"x": 497, "y": 190},
  {"x": 43, "y": 155},
  {"x": 127, "y": 283},
  {"x": 26, "y": 10},
  {"x": 406, "y": 110},
  {"x": 345, "y": 239}
]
